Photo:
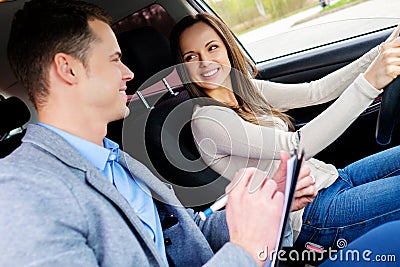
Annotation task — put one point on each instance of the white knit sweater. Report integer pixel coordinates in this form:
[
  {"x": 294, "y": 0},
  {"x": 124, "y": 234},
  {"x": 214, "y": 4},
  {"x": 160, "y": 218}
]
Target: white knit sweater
[{"x": 228, "y": 143}]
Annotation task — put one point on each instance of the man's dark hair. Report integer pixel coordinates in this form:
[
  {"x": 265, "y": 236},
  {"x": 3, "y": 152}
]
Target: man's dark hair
[{"x": 43, "y": 28}]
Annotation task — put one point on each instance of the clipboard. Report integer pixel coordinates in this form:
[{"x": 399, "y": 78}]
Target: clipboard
[{"x": 292, "y": 175}]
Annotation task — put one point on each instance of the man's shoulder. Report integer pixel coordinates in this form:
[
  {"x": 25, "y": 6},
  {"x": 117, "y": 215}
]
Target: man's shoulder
[
  {"x": 29, "y": 163},
  {"x": 25, "y": 155}
]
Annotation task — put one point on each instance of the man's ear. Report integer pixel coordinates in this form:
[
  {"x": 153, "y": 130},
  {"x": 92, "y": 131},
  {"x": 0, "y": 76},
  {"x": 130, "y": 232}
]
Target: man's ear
[{"x": 65, "y": 66}]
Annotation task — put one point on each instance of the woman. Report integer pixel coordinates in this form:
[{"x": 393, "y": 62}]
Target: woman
[{"x": 239, "y": 123}]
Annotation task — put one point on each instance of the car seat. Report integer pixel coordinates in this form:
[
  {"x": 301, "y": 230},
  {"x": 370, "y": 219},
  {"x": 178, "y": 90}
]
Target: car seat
[{"x": 168, "y": 138}]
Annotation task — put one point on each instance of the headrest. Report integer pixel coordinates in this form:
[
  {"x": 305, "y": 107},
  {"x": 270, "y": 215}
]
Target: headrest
[
  {"x": 13, "y": 114},
  {"x": 146, "y": 52}
]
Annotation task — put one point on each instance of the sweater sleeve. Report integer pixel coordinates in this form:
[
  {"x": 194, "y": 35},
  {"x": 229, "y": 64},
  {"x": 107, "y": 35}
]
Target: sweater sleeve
[
  {"x": 330, "y": 124},
  {"x": 288, "y": 96},
  {"x": 219, "y": 131}
]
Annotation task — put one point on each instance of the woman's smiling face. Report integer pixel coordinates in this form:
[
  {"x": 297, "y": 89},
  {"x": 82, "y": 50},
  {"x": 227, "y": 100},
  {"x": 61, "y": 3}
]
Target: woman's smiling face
[{"x": 206, "y": 57}]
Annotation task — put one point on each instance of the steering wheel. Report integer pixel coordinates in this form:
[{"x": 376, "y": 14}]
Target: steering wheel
[{"x": 388, "y": 113}]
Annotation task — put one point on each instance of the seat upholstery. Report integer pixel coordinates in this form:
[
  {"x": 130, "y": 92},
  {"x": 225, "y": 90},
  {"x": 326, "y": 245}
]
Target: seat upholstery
[
  {"x": 13, "y": 114},
  {"x": 172, "y": 151},
  {"x": 146, "y": 52},
  {"x": 170, "y": 144}
]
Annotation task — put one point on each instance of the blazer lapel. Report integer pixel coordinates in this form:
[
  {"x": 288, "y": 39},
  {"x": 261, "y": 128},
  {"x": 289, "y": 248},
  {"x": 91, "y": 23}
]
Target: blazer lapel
[{"x": 99, "y": 182}]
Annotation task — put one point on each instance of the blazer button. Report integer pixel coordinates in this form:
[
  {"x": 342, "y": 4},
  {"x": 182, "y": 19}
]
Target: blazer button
[{"x": 167, "y": 241}]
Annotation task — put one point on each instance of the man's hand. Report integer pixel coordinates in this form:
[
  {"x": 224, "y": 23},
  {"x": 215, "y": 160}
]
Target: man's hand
[
  {"x": 305, "y": 187},
  {"x": 253, "y": 218}
]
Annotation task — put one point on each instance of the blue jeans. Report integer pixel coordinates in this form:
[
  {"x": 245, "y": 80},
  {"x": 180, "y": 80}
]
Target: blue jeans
[{"x": 365, "y": 195}]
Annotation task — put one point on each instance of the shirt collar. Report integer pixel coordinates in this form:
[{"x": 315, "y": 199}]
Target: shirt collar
[{"x": 97, "y": 155}]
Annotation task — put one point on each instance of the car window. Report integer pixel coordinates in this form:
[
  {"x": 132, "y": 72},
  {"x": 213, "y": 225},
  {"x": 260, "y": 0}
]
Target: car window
[
  {"x": 269, "y": 29},
  {"x": 154, "y": 15},
  {"x": 158, "y": 18}
]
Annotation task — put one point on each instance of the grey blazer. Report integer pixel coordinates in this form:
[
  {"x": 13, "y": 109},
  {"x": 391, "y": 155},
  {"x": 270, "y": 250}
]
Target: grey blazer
[{"x": 56, "y": 209}]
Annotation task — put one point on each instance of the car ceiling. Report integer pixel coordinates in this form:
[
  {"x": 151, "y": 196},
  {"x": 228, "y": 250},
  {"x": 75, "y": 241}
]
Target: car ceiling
[{"x": 118, "y": 9}]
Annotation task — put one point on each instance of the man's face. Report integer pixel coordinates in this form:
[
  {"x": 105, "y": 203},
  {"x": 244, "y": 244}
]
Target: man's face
[{"x": 104, "y": 85}]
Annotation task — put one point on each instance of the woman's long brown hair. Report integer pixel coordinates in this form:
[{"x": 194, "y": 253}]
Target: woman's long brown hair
[{"x": 252, "y": 105}]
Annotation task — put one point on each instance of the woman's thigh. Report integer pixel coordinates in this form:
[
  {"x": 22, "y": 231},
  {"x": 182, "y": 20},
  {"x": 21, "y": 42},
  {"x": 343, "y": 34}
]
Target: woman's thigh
[
  {"x": 377, "y": 166},
  {"x": 364, "y": 202}
]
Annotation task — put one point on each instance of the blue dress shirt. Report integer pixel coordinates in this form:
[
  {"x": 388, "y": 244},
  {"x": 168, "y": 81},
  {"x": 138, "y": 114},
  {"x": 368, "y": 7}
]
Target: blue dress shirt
[{"x": 134, "y": 191}]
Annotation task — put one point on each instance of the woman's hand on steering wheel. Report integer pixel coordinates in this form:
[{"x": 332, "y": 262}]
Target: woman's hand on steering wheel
[
  {"x": 386, "y": 66},
  {"x": 389, "y": 61}
]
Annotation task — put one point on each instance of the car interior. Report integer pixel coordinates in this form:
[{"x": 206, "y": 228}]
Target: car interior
[
  {"x": 14, "y": 115},
  {"x": 164, "y": 142}
]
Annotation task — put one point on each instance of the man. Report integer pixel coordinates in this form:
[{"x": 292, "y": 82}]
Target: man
[{"x": 70, "y": 197}]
